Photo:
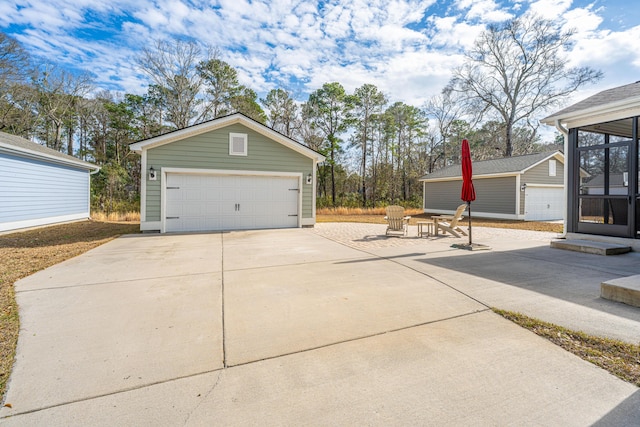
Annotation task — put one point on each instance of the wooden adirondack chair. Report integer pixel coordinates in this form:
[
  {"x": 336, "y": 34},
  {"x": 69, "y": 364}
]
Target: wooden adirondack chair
[
  {"x": 398, "y": 222},
  {"x": 449, "y": 223}
]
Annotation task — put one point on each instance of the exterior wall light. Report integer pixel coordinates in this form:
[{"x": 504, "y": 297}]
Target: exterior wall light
[
  {"x": 309, "y": 179},
  {"x": 523, "y": 187},
  {"x": 152, "y": 174}
]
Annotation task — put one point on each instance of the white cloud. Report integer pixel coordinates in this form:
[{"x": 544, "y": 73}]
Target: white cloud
[
  {"x": 550, "y": 9},
  {"x": 483, "y": 10},
  {"x": 401, "y": 46}
]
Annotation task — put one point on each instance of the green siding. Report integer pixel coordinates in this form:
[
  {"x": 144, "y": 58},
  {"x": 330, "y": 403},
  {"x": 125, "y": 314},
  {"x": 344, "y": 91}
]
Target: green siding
[
  {"x": 211, "y": 151},
  {"x": 493, "y": 195}
]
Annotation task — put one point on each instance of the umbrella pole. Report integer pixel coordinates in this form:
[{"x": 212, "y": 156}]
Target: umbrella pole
[{"x": 469, "y": 207}]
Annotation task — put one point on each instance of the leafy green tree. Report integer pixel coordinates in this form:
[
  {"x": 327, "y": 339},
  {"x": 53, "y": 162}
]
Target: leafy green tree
[
  {"x": 221, "y": 86},
  {"x": 328, "y": 109},
  {"x": 281, "y": 111},
  {"x": 368, "y": 103},
  {"x": 246, "y": 102}
]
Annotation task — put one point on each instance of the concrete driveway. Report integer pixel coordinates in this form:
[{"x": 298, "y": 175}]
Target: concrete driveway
[{"x": 293, "y": 327}]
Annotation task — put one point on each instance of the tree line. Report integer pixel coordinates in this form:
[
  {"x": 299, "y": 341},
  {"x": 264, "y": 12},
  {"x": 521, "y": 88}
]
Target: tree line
[{"x": 376, "y": 149}]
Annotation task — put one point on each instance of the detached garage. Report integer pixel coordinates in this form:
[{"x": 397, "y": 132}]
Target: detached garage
[
  {"x": 527, "y": 187},
  {"x": 40, "y": 186},
  {"x": 230, "y": 173}
]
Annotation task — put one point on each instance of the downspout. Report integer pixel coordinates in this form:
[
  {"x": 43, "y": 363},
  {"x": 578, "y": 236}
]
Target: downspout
[{"x": 565, "y": 132}]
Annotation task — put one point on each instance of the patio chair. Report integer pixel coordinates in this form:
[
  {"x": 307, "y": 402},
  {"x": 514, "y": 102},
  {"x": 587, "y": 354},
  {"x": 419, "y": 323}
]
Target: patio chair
[
  {"x": 398, "y": 222},
  {"x": 449, "y": 223}
]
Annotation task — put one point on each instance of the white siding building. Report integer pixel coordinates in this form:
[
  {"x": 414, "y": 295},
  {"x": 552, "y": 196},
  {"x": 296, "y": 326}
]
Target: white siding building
[{"x": 40, "y": 186}]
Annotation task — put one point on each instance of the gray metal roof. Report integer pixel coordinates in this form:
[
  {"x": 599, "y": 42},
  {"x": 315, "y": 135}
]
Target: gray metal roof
[
  {"x": 504, "y": 165},
  {"x": 25, "y": 146},
  {"x": 600, "y": 99}
]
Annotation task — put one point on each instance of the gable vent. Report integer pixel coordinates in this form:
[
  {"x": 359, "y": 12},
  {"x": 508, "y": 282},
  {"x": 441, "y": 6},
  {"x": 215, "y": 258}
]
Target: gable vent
[{"x": 238, "y": 144}]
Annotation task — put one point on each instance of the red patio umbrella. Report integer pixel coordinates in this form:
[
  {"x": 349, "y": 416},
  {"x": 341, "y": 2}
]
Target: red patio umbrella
[{"x": 468, "y": 193}]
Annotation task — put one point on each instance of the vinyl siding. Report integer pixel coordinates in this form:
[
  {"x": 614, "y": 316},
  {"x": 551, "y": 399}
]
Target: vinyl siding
[
  {"x": 493, "y": 195},
  {"x": 32, "y": 189},
  {"x": 211, "y": 151},
  {"x": 540, "y": 174}
]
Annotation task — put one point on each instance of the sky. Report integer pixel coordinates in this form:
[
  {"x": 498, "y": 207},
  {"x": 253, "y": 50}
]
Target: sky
[{"x": 407, "y": 48}]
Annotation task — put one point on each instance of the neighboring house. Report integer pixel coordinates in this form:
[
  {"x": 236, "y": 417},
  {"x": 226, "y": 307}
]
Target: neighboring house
[
  {"x": 601, "y": 138},
  {"x": 40, "y": 186},
  {"x": 529, "y": 187},
  {"x": 230, "y": 173},
  {"x": 618, "y": 184}
]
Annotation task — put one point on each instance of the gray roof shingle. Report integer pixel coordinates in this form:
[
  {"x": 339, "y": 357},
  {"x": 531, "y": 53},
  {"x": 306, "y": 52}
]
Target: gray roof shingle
[
  {"x": 600, "y": 99},
  {"x": 494, "y": 166},
  {"x": 24, "y": 145}
]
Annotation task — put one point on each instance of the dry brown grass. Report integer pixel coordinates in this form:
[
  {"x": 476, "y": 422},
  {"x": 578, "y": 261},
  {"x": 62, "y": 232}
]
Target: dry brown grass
[
  {"x": 377, "y": 217},
  {"x": 116, "y": 216},
  {"x": 619, "y": 358},
  {"x": 24, "y": 253}
]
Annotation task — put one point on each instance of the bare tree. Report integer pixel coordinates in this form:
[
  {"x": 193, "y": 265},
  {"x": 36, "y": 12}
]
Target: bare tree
[
  {"x": 172, "y": 66},
  {"x": 58, "y": 93},
  {"x": 445, "y": 110},
  {"x": 16, "y": 114},
  {"x": 518, "y": 68}
]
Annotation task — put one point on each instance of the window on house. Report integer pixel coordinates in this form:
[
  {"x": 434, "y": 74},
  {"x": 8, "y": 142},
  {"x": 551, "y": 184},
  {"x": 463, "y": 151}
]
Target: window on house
[
  {"x": 237, "y": 144},
  {"x": 552, "y": 168}
]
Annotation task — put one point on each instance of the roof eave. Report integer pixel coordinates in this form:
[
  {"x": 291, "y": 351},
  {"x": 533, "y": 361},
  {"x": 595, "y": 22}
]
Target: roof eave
[
  {"x": 558, "y": 155},
  {"x": 594, "y": 112},
  {"x": 38, "y": 155}
]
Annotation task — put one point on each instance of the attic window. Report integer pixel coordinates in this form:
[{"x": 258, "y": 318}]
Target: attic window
[
  {"x": 237, "y": 144},
  {"x": 552, "y": 168}
]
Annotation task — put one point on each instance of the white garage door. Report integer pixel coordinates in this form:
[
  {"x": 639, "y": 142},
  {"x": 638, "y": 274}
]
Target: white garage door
[
  {"x": 217, "y": 202},
  {"x": 543, "y": 203}
]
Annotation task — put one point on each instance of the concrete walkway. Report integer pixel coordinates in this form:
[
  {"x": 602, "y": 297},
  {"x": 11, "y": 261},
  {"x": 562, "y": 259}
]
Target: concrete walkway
[{"x": 334, "y": 325}]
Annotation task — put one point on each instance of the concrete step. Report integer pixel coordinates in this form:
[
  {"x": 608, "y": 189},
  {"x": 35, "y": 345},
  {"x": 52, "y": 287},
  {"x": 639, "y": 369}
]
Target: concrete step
[
  {"x": 590, "y": 247},
  {"x": 624, "y": 289}
]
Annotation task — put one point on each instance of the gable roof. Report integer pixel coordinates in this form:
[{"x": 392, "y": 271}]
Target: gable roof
[
  {"x": 611, "y": 104},
  {"x": 17, "y": 145},
  {"x": 504, "y": 166},
  {"x": 222, "y": 122}
]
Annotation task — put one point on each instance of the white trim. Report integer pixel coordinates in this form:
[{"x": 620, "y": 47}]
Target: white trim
[
  {"x": 558, "y": 155},
  {"x": 222, "y": 172},
  {"x": 595, "y": 114},
  {"x": 143, "y": 188},
  {"x": 313, "y": 192},
  {"x": 553, "y": 167},
  {"x": 518, "y": 192},
  {"x": 459, "y": 178},
  {"x": 545, "y": 185},
  {"x": 245, "y": 144},
  {"x": 150, "y": 225},
  {"x": 32, "y": 154},
  {"x": 308, "y": 221},
  {"x": 476, "y": 214},
  {"x": 15, "y": 225},
  {"x": 220, "y": 123}
]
